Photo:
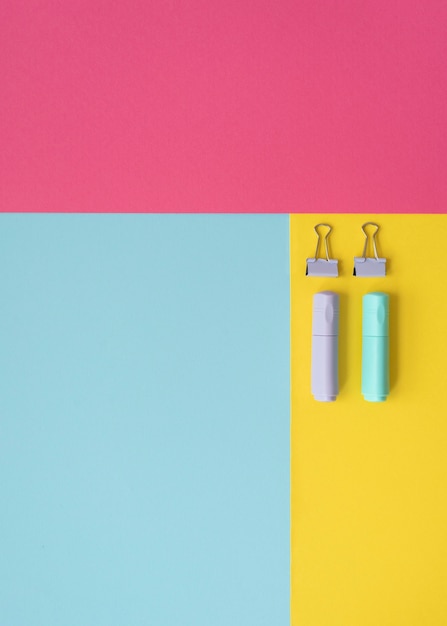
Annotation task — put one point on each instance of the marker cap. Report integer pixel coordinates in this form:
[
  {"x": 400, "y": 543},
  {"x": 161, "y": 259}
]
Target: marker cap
[
  {"x": 375, "y": 315},
  {"x": 325, "y": 314}
]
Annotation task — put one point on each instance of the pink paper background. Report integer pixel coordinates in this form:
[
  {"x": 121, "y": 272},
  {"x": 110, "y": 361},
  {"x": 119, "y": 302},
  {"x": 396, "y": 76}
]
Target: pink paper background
[{"x": 225, "y": 105}]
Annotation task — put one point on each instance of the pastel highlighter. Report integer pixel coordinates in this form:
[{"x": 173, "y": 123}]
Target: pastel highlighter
[
  {"x": 325, "y": 346},
  {"x": 375, "y": 347}
]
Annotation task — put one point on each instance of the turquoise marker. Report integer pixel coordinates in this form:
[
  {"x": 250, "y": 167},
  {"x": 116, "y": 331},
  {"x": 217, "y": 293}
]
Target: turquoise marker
[{"x": 375, "y": 347}]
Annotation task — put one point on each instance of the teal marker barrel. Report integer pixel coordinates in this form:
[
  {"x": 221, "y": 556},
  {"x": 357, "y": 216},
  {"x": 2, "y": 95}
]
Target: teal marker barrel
[{"x": 375, "y": 347}]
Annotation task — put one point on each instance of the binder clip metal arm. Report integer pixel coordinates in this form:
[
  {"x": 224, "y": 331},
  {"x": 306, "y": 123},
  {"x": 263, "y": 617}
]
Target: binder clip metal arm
[
  {"x": 320, "y": 266},
  {"x": 369, "y": 267}
]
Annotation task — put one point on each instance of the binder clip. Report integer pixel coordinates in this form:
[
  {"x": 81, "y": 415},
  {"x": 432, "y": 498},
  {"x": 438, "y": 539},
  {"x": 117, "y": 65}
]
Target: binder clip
[
  {"x": 364, "y": 266},
  {"x": 322, "y": 267}
]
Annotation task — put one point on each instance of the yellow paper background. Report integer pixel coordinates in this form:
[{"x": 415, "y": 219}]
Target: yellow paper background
[{"x": 369, "y": 481}]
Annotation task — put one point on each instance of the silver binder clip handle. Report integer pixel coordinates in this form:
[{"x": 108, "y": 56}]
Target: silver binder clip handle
[
  {"x": 322, "y": 266},
  {"x": 369, "y": 267}
]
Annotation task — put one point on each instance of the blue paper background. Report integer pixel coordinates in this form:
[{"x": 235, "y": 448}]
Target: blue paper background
[{"x": 144, "y": 420}]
